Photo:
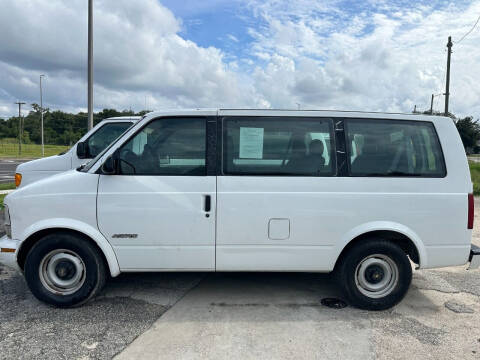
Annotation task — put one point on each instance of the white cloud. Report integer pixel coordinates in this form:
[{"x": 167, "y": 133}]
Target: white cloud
[
  {"x": 324, "y": 61},
  {"x": 375, "y": 55},
  {"x": 137, "y": 52},
  {"x": 233, "y": 38}
]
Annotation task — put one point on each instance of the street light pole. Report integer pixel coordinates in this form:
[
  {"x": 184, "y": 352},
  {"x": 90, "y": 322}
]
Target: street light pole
[
  {"x": 90, "y": 64},
  {"x": 41, "y": 114}
]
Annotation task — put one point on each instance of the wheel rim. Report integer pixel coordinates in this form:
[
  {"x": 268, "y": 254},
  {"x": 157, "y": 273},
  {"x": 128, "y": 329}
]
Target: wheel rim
[
  {"x": 376, "y": 276},
  {"x": 62, "y": 272}
]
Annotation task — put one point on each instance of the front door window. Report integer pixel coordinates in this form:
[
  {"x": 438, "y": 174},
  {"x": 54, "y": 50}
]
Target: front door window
[{"x": 166, "y": 147}]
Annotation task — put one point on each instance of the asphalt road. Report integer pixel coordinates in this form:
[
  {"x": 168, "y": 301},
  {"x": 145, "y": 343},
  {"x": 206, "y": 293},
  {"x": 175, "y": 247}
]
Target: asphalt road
[
  {"x": 242, "y": 316},
  {"x": 7, "y": 169}
]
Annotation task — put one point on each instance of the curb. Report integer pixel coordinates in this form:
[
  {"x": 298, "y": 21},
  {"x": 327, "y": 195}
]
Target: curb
[{"x": 6, "y": 191}]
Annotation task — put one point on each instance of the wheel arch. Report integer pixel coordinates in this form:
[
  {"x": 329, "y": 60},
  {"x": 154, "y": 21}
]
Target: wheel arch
[
  {"x": 91, "y": 235},
  {"x": 408, "y": 241}
]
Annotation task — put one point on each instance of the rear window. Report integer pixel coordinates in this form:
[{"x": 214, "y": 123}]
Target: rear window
[
  {"x": 394, "y": 148},
  {"x": 278, "y": 146}
]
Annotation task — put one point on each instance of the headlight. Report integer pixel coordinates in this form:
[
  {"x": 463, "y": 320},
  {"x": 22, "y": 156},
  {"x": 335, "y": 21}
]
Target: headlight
[
  {"x": 7, "y": 225},
  {"x": 18, "y": 179}
]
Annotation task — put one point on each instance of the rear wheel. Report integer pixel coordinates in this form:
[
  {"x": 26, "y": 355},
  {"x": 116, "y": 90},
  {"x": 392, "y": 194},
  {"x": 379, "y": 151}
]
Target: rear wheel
[
  {"x": 375, "y": 274},
  {"x": 64, "y": 269}
]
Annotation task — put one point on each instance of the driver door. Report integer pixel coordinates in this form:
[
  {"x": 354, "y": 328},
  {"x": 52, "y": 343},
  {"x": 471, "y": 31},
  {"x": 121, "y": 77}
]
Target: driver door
[{"x": 159, "y": 211}]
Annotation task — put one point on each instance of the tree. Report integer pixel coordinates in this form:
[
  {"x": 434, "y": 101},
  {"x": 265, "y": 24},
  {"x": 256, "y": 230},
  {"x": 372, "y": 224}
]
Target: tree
[
  {"x": 60, "y": 128},
  {"x": 469, "y": 131}
]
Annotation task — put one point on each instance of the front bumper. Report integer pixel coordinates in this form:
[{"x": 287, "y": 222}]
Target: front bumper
[
  {"x": 8, "y": 252},
  {"x": 474, "y": 257}
]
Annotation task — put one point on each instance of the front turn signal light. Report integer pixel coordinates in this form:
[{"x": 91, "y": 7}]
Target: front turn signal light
[{"x": 18, "y": 179}]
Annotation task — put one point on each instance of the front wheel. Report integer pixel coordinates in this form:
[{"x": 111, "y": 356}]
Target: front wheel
[
  {"x": 64, "y": 269},
  {"x": 375, "y": 274}
]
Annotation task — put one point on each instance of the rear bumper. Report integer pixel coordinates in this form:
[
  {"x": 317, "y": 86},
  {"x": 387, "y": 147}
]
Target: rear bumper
[
  {"x": 474, "y": 257},
  {"x": 8, "y": 252}
]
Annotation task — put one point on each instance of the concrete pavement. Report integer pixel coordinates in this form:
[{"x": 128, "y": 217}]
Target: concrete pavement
[
  {"x": 100, "y": 329},
  {"x": 279, "y": 316}
]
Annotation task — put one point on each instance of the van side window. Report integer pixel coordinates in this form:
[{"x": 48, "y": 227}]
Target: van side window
[
  {"x": 394, "y": 148},
  {"x": 104, "y": 136},
  {"x": 166, "y": 147},
  {"x": 278, "y": 146}
]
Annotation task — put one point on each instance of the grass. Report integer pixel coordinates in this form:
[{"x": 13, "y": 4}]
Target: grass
[
  {"x": 475, "y": 173},
  {"x": 2, "y": 197},
  {"x": 29, "y": 151},
  {"x": 7, "y": 186}
]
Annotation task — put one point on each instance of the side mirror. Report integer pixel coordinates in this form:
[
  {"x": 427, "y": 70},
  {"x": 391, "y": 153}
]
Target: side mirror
[
  {"x": 82, "y": 150},
  {"x": 109, "y": 166}
]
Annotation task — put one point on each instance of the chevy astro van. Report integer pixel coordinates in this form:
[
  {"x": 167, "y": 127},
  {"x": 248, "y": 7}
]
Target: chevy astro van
[
  {"x": 91, "y": 144},
  {"x": 363, "y": 195}
]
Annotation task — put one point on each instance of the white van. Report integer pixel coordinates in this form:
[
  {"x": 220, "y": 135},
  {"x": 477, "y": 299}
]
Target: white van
[
  {"x": 89, "y": 146},
  {"x": 252, "y": 190}
]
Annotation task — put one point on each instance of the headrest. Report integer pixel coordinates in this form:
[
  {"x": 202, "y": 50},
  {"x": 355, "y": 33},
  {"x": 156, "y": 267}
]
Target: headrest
[
  {"x": 316, "y": 147},
  {"x": 298, "y": 145}
]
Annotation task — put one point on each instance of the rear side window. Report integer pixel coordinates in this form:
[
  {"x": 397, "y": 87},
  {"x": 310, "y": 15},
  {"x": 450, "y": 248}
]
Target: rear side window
[
  {"x": 278, "y": 146},
  {"x": 394, "y": 148}
]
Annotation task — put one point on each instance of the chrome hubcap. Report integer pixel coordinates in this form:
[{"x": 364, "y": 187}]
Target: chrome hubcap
[
  {"x": 62, "y": 272},
  {"x": 376, "y": 276}
]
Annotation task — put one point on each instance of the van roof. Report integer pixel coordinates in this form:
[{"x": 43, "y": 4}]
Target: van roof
[
  {"x": 124, "y": 118},
  {"x": 292, "y": 112}
]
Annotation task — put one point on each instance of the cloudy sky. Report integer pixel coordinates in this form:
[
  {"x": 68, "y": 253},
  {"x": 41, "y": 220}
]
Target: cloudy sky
[{"x": 374, "y": 55}]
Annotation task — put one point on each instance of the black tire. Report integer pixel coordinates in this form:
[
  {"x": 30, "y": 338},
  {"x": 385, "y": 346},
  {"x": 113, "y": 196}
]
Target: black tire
[
  {"x": 92, "y": 278},
  {"x": 349, "y": 274}
]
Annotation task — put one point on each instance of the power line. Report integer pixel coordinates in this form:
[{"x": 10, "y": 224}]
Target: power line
[{"x": 468, "y": 33}]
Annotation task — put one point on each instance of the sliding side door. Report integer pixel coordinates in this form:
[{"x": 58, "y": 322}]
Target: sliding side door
[{"x": 275, "y": 206}]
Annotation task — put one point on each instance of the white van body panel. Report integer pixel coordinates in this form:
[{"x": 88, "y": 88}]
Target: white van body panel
[
  {"x": 66, "y": 201},
  {"x": 35, "y": 170},
  {"x": 271, "y": 223},
  {"x": 166, "y": 218},
  {"x": 324, "y": 217},
  {"x": 41, "y": 168}
]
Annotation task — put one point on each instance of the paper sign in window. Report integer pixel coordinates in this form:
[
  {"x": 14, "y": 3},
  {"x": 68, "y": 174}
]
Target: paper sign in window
[{"x": 251, "y": 143}]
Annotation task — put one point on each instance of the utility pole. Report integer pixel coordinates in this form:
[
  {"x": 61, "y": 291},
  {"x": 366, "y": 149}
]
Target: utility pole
[
  {"x": 20, "y": 126},
  {"x": 90, "y": 64},
  {"x": 447, "y": 88},
  {"x": 431, "y": 105},
  {"x": 415, "y": 109},
  {"x": 41, "y": 115}
]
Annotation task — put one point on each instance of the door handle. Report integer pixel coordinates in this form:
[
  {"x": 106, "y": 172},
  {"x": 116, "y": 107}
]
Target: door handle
[{"x": 207, "y": 205}]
